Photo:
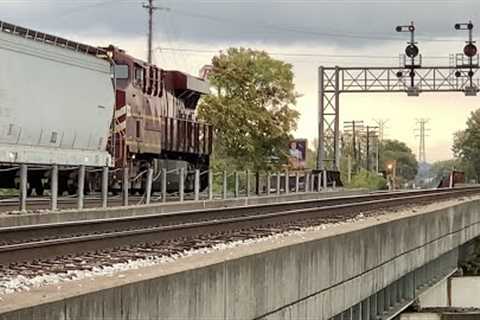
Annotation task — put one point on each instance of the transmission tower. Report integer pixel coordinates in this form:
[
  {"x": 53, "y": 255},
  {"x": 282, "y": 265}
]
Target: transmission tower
[
  {"x": 382, "y": 126},
  {"x": 151, "y": 8},
  {"x": 421, "y": 129}
]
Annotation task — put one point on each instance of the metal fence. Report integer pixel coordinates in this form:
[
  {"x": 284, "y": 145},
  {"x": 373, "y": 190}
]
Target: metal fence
[{"x": 221, "y": 185}]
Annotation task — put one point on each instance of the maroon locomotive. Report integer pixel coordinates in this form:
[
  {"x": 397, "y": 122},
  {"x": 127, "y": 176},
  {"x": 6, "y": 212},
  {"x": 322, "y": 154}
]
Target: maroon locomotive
[{"x": 155, "y": 122}]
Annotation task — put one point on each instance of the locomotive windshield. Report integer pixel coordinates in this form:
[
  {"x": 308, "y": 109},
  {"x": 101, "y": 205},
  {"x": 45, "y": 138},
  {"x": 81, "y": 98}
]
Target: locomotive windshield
[{"x": 122, "y": 72}]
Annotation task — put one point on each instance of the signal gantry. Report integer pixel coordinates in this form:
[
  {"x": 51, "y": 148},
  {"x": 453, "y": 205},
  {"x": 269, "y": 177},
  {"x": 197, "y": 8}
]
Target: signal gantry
[{"x": 411, "y": 77}]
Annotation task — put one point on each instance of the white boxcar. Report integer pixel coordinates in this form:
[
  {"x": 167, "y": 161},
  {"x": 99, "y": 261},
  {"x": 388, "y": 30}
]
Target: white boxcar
[{"x": 56, "y": 103}]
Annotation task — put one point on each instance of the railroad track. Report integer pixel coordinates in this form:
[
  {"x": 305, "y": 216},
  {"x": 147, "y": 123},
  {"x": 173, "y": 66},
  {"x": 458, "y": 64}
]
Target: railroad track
[{"x": 68, "y": 239}]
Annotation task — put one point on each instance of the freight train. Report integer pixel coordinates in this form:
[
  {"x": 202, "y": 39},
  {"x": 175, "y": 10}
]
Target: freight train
[
  {"x": 71, "y": 104},
  {"x": 453, "y": 179}
]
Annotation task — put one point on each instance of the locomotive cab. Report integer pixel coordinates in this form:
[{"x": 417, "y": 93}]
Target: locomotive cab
[{"x": 155, "y": 122}]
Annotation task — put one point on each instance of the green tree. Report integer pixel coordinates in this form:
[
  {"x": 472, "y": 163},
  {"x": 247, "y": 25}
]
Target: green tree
[
  {"x": 407, "y": 165},
  {"x": 369, "y": 180},
  {"x": 466, "y": 145},
  {"x": 312, "y": 154},
  {"x": 251, "y": 109}
]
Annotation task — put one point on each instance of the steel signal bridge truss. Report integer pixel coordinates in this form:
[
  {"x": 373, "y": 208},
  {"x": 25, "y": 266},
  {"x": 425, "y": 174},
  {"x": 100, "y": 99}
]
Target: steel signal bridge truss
[{"x": 461, "y": 77}]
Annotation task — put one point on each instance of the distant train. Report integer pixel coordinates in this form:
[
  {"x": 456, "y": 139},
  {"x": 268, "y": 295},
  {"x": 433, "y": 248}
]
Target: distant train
[
  {"x": 71, "y": 104},
  {"x": 453, "y": 179}
]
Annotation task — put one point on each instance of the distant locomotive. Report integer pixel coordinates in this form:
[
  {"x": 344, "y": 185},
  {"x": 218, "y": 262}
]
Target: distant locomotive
[
  {"x": 453, "y": 179},
  {"x": 70, "y": 104}
]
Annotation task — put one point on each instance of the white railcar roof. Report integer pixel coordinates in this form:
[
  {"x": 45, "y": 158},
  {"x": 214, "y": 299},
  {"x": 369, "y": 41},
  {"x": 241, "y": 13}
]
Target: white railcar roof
[{"x": 51, "y": 39}]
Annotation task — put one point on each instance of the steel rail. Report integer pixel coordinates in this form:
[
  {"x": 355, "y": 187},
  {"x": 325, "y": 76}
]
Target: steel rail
[
  {"x": 27, "y": 233},
  {"x": 96, "y": 241}
]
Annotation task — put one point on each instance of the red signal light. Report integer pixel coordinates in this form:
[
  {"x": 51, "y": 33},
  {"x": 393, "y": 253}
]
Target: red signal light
[{"x": 470, "y": 50}]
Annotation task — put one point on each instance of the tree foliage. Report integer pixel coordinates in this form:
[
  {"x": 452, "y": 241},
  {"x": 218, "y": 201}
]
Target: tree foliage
[
  {"x": 466, "y": 145},
  {"x": 312, "y": 154},
  {"x": 407, "y": 165},
  {"x": 368, "y": 180},
  {"x": 251, "y": 109}
]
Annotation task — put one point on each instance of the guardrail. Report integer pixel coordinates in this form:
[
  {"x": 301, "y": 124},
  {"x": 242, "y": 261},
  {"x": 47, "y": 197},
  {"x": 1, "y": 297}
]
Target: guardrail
[{"x": 221, "y": 185}]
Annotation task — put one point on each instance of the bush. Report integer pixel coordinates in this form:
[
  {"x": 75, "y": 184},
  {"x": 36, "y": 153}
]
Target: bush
[{"x": 368, "y": 180}]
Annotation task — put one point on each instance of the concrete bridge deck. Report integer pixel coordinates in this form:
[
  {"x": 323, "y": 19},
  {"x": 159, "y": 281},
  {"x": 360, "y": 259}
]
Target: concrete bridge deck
[{"x": 354, "y": 270}]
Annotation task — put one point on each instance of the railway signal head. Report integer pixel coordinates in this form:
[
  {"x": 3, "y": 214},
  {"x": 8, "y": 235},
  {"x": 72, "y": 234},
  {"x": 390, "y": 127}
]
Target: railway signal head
[
  {"x": 464, "y": 26},
  {"x": 470, "y": 50},
  {"x": 411, "y": 50},
  {"x": 406, "y": 28}
]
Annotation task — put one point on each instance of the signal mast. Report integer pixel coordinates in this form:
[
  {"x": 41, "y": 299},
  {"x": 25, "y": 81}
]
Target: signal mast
[
  {"x": 469, "y": 51},
  {"x": 411, "y": 51}
]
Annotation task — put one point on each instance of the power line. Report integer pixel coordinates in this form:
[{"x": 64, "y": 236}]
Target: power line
[
  {"x": 382, "y": 37},
  {"x": 296, "y": 30},
  {"x": 292, "y": 54}
]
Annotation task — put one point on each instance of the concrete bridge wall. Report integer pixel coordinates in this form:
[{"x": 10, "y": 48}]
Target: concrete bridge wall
[{"x": 316, "y": 276}]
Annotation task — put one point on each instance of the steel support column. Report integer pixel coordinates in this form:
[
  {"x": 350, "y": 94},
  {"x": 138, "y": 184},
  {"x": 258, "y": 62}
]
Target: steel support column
[
  {"x": 336, "y": 129},
  {"x": 321, "y": 119},
  {"x": 81, "y": 187},
  {"x": 148, "y": 186},
  {"x": 105, "y": 187},
  {"x": 54, "y": 188},
  {"x": 23, "y": 187}
]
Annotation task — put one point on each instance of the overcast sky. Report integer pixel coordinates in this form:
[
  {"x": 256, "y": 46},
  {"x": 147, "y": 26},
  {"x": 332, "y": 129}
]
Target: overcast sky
[{"x": 306, "y": 33}]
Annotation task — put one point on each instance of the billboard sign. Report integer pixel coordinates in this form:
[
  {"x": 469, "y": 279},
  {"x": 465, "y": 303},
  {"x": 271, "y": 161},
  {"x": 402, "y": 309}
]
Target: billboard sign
[{"x": 297, "y": 153}]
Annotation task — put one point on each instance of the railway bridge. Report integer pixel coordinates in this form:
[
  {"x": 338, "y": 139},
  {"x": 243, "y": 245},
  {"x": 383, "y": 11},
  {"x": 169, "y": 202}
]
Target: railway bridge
[{"x": 370, "y": 266}]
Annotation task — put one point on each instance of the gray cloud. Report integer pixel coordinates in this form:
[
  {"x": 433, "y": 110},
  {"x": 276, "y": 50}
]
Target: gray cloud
[{"x": 345, "y": 23}]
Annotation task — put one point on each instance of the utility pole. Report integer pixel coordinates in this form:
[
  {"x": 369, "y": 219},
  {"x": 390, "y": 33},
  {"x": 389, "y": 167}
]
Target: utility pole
[
  {"x": 371, "y": 133},
  {"x": 353, "y": 128},
  {"x": 151, "y": 8},
  {"x": 382, "y": 126},
  {"x": 421, "y": 129}
]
